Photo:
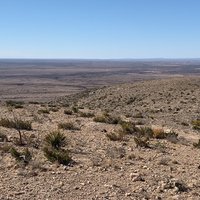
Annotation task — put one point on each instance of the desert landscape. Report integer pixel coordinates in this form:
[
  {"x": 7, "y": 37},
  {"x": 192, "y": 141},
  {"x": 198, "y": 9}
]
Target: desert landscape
[{"x": 100, "y": 129}]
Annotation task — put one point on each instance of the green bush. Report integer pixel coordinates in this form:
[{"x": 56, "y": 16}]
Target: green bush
[
  {"x": 53, "y": 151},
  {"x": 128, "y": 127},
  {"x": 55, "y": 139},
  {"x": 24, "y": 156},
  {"x": 57, "y": 155}
]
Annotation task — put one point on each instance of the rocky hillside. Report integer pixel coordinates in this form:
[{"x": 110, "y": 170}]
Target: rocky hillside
[
  {"x": 173, "y": 102},
  {"x": 131, "y": 142}
]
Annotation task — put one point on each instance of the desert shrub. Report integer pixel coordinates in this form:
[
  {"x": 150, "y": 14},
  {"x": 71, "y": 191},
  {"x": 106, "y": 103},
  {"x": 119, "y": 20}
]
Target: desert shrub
[
  {"x": 52, "y": 105},
  {"x": 43, "y": 111},
  {"x": 145, "y": 132},
  {"x": 55, "y": 139},
  {"x": 196, "y": 124},
  {"x": 75, "y": 109},
  {"x": 53, "y": 148},
  {"x": 24, "y": 156},
  {"x": 88, "y": 114},
  {"x": 106, "y": 118},
  {"x": 65, "y": 105},
  {"x": 67, "y": 126},
  {"x": 159, "y": 133},
  {"x": 141, "y": 142},
  {"x": 18, "y": 125},
  {"x": 68, "y": 112},
  {"x": 128, "y": 127},
  {"x": 116, "y": 136},
  {"x": 57, "y": 155},
  {"x": 197, "y": 145},
  {"x": 184, "y": 124},
  {"x": 3, "y": 137},
  {"x": 34, "y": 102},
  {"x": 15, "y": 104}
]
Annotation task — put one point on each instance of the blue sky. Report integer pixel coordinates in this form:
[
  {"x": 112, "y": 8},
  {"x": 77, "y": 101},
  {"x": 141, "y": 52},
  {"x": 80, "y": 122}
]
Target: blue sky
[{"x": 99, "y": 29}]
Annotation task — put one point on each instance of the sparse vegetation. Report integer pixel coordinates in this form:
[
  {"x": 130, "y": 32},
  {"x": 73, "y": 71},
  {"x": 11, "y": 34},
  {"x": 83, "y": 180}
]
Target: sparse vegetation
[
  {"x": 145, "y": 132},
  {"x": 43, "y": 111},
  {"x": 196, "y": 124},
  {"x": 128, "y": 127},
  {"x": 55, "y": 139},
  {"x": 24, "y": 156},
  {"x": 141, "y": 142},
  {"x": 107, "y": 118},
  {"x": 54, "y": 109},
  {"x": 197, "y": 145},
  {"x": 159, "y": 133},
  {"x": 18, "y": 125},
  {"x": 68, "y": 112},
  {"x": 53, "y": 150},
  {"x": 75, "y": 109},
  {"x": 54, "y": 155},
  {"x": 67, "y": 126},
  {"x": 15, "y": 104},
  {"x": 86, "y": 114}
]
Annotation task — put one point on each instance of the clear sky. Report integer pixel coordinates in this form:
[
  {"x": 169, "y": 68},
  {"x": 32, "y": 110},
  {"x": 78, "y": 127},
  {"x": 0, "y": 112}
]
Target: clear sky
[{"x": 99, "y": 28}]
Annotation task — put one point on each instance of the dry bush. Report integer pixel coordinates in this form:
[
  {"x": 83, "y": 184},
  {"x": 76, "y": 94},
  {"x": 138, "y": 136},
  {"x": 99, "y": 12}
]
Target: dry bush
[
  {"x": 84, "y": 114},
  {"x": 54, "y": 109},
  {"x": 67, "y": 126},
  {"x": 57, "y": 155},
  {"x": 43, "y": 111},
  {"x": 159, "y": 133},
  {"x": 197, "y": 145},
  {"x": 15, "y": 104},
  {"x": 68, "y": 112},
  {"x": 145, "y": 132},
  {"x": 106, "y": 118},
  {"x": 24, "y": 156},
  {"x": 18, "y": 125},
  {"x": 141, "y": 142},
  {"x": 128, "y": 127},
  {"x": 196, "y": 124}
]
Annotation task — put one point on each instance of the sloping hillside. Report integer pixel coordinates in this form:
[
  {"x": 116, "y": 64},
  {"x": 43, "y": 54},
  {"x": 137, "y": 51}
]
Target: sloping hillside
[{"x": 131, "y": 142}]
